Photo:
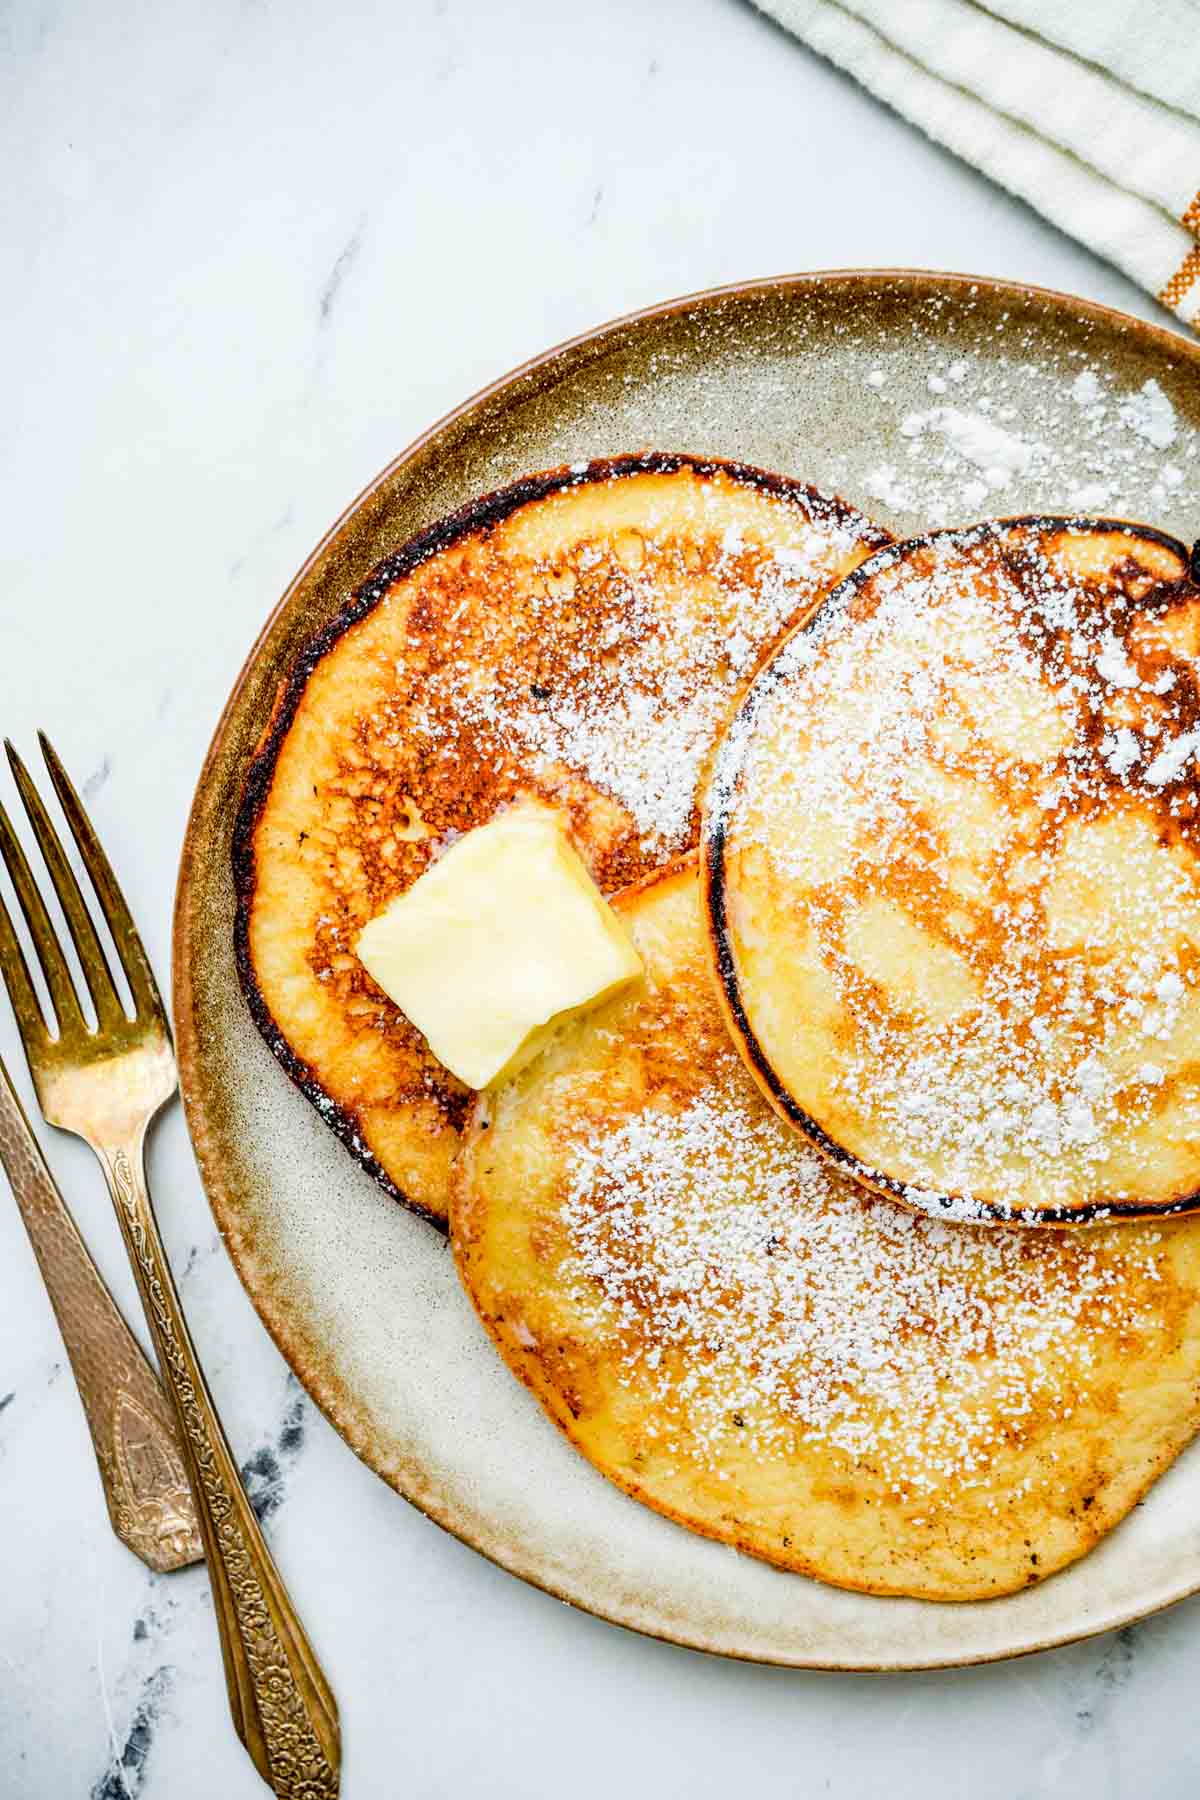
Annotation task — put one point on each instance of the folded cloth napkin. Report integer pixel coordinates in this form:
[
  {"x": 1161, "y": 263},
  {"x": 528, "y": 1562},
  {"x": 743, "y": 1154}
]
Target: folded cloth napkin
[{"x": 1087, "y": 109}]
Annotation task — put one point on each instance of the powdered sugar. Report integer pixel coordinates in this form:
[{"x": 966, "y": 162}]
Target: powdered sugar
[
  {"x": 644, "y": 749},
  {"x": 1150, "y": 414},
  {"x": 821, "y": 385},
  {"x": 1086, "y": 389},
  {"x": 772, "y": 1291},
  {"x": 1170, "y": 763},
  {"x": 644, "y": 650},
  {"x": 884, "y": 483},
  {"x": 931, "y": 777},
  {"x": 996, "y": 453},
  {"x": 640, "y": 727},
  {"x": 1088, "y": 444}
]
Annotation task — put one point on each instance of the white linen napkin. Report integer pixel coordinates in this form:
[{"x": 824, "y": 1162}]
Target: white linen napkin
[{"x": 1087, "y": 109}]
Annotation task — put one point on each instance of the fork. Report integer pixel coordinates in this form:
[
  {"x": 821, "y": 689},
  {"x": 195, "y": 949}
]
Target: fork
[
  {"x": 133, "y": 1429},
  {"x": 106, "y": 1084}
]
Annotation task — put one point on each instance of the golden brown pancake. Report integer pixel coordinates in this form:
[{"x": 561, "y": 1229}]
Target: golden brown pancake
[
  {"x": 577, "y": 636},
  {"x": 951, "y": 857},
  {"x": 747, "y": 1341}
]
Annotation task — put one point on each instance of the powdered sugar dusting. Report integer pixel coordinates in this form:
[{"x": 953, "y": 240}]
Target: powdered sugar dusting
[
  {"x": 1086, "y": 443},
  {"x": 982, "y": 775},
  {"x": 976, "y": 439},
  {"x": 783, "y": 1304},
  {"x": 641, "y": 728},
  {"x": 822, "y": 385},
  {"x": 1150, "y": 414},
  {"x": 643, "y": 645}
]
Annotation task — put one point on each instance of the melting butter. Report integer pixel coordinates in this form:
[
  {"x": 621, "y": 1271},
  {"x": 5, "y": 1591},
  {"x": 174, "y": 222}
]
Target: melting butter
[{"x": 502, "y": 934}]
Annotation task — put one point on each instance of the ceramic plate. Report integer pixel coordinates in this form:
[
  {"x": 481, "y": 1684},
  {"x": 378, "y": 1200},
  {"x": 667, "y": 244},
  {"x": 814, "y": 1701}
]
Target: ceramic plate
[{"x": 925, "y": 399}]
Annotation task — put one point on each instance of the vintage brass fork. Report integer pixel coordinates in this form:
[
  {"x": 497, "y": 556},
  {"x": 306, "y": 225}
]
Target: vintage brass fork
[{"x": 106, "y": 1085}]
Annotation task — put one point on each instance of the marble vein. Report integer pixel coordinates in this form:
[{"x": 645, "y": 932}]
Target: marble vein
[{"x": 344, "y": 262}]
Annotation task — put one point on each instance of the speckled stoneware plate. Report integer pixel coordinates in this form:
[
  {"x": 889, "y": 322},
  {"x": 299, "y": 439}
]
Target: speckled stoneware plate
[{"x": 925, "y": 399}]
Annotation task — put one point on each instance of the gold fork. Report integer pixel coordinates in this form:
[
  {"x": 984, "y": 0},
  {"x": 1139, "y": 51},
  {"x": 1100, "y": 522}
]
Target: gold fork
[{"x": 106, "y": 1085}]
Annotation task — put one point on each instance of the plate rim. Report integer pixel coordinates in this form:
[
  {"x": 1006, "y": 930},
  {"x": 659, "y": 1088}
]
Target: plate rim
[{"x": 919, "y": 282}]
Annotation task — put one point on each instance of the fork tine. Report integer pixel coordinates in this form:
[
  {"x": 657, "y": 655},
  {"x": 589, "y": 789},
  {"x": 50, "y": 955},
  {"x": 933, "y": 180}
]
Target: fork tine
[
  {"x": 15, "y": 970},
  {"x": 63, "y": 998},
  {"x": 136, "y": 964},
  {"x": 96, "y": 971}
]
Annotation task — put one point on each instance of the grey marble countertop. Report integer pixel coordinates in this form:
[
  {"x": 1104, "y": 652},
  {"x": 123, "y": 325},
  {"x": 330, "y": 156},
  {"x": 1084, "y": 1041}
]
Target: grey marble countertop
[{"x": 251, "y": 248}]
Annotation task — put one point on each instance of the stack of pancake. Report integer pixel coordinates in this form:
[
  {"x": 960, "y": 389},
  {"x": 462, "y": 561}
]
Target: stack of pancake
[{"x": 904, "y": 834}]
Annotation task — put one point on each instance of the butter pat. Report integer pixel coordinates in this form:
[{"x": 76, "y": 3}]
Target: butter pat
[{"x": 502, "y": 934}]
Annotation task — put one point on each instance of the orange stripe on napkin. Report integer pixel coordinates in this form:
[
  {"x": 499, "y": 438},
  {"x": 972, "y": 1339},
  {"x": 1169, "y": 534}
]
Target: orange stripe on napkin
[
  {"x": 1190, "y": 216},
  {"x": 1184, "y": 278}
]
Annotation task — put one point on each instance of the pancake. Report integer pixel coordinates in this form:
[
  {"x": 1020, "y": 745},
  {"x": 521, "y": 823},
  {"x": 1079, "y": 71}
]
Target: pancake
[
  {"x": 745, "y": 1340},
  {"x": 951, "y": 869},
  {"x": 577, "y": 637}
]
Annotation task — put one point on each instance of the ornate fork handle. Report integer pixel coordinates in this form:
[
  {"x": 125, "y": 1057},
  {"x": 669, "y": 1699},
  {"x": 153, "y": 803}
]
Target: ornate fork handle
[
  {"x": 137, "y": 1447},
  {"x": 282, "y": 1707}
]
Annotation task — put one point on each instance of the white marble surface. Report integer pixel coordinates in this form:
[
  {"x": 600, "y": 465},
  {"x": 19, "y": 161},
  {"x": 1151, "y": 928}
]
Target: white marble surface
[{"x": 250, "y": 249}]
